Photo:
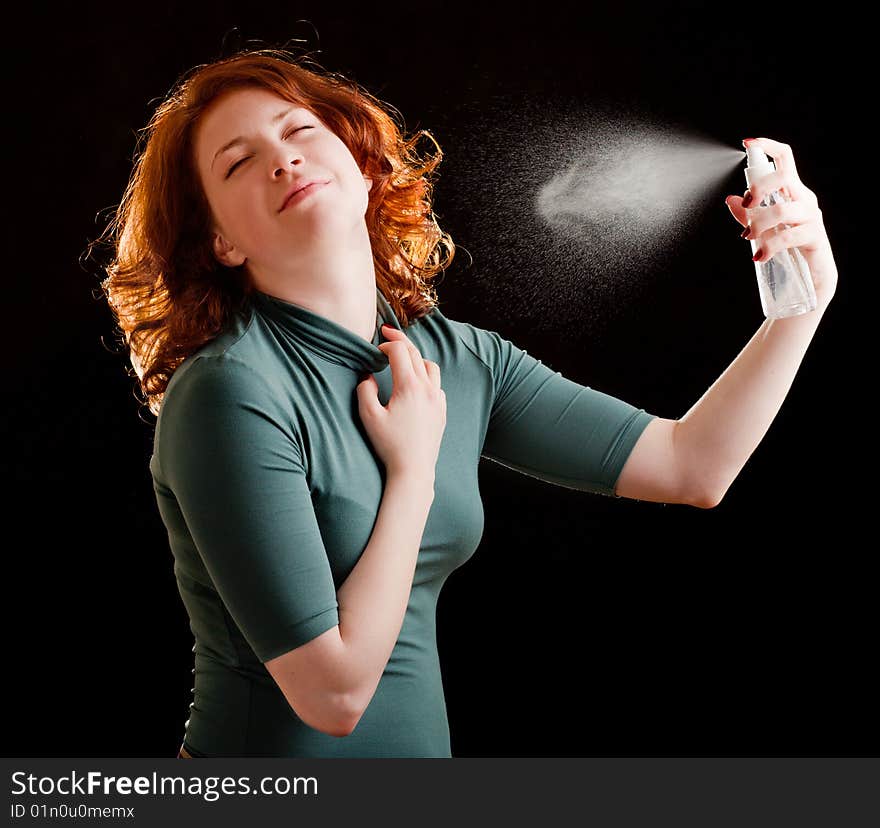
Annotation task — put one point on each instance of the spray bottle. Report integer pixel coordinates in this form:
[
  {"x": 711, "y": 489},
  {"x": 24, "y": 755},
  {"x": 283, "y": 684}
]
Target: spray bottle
[{"x": 785, "y": 283}]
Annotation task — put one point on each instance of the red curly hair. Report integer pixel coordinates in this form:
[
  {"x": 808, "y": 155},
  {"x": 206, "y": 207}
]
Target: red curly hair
[{"x": 168, "y": 293}]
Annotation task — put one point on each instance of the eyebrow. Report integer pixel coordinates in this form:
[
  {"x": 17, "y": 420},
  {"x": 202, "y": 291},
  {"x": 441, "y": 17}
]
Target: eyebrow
[{"x": 240, "y": 139}]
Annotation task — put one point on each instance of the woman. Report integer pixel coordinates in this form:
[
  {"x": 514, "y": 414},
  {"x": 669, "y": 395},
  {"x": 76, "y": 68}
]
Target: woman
[{"x": 275, "y": 249}]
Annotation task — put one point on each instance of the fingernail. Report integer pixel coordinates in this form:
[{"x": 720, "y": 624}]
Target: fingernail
[
  {"x": 747, "y": 199},
  {"x": 746, "y": 140},
  {"x": 746, "y": 232},
  {"x": 757, "y": 255}
]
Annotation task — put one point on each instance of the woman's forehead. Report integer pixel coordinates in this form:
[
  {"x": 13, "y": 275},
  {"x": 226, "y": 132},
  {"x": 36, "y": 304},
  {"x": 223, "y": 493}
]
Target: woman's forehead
[
  {"x": 234, "y": 114},
  {"x": 252, "y": 101}
]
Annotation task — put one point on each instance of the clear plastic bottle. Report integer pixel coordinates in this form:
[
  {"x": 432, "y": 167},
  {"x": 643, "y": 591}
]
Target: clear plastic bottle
[{"x": 785, "y": 283}]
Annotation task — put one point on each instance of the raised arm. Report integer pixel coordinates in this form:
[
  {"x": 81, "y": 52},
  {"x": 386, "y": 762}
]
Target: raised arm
[
  {"x": 545, "y": 425},
  {"x": 720, "y": 432}
]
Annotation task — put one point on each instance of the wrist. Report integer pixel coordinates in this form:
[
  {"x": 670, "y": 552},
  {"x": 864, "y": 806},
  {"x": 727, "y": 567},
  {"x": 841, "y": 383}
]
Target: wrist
[{"x": 413, "y": 481}]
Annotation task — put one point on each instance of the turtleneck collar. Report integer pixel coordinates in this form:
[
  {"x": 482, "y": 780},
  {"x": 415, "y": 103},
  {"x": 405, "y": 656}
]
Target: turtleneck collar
[{"x": 326, "y": 338}]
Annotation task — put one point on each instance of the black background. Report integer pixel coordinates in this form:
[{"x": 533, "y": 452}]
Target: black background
[{"x": 584, "y": 625}]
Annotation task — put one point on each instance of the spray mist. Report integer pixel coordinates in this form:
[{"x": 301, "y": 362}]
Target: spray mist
[{"x": 784, "y": 282}]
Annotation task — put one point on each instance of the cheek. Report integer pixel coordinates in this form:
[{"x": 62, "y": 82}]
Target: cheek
[
  {"x": 244, "y": 218},
  {"x": 234, "y": 215},
  {"x": 352, "y": 172}
]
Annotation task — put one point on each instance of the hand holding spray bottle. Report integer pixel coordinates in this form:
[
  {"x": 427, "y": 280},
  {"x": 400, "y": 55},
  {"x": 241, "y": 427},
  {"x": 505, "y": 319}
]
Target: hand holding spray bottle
[{"x": 785, "y": 283}]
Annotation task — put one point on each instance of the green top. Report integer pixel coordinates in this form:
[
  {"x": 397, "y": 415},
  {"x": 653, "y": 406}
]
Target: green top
[{"x": 269, "y": 488}]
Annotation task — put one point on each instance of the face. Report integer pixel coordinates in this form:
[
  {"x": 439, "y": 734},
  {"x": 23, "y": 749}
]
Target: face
[{"x": 247, "y": 183}]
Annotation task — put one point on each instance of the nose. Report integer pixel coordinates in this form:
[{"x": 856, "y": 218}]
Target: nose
[{"x": 285, "y": 158}]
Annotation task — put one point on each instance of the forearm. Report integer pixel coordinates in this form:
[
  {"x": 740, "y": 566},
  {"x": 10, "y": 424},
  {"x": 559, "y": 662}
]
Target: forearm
[
  {"x": 373, "y": 599},
  {"x": 719, "y": 433}
]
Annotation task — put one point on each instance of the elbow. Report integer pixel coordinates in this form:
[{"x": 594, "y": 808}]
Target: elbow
[
  {"x": 346, "y": 721},
  {"x": 347, "y": 714},
  {"x": 340, "y": 725},
  {"x": 347, "y": 724},
  {"x": 708, "y": 499},
  {"x": 705, "y": 493},
  {"x": 314, "y": 680},
  {"x": 341, "y": 729},
  {"x": 355, "y": 706},
  {"x": 352, "y": 710},
  {"x": 338, "y": 719}
]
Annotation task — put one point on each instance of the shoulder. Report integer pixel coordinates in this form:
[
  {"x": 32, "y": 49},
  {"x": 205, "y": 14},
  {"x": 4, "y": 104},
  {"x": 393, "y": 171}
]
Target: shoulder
[
  {"x": 214, "y": 373},
  {"x": 208, "y": 385},
  {"x": 456, "y": 337},
  {"x": 220, "y": 402},
  {"x": 235, "y": 360}
]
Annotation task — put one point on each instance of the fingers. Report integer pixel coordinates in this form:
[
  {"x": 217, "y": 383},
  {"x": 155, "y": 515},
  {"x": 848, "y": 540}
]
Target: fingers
[
  {"x": 433, "y": 370},
  {"x": 368, "y": 395},
  {"x": 785, "y": 178},
  {"x": 781, "y": 155},
  {"x": 787, "y": 238},
  {"x": 788, "y": 213},
  {"x": 734, "y": 204},
  {"x": 394, "y": 335},
  {"x": 402, "y": 368}
]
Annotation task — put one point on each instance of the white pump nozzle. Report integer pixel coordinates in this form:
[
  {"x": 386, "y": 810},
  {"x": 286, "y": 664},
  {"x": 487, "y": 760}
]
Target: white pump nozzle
[
  {"x": 756, "y": 155},
  {"x": 759, "y": 164}
]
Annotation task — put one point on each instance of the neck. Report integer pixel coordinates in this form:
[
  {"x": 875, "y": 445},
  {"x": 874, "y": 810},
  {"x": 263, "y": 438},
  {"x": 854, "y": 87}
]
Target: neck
[{"x": 339, "y": 284}]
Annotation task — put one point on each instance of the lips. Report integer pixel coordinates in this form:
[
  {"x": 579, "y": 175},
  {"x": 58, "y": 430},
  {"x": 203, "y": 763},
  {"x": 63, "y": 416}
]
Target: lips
[{"x": 299, "y": 187}]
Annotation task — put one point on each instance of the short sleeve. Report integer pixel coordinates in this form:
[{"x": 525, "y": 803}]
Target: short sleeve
[
  {"x": 548, "y": 426},
  {"x": 237, "y": 473}
]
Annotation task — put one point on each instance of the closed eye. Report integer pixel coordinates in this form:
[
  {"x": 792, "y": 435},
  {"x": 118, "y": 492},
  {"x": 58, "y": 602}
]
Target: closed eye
[{"x": 242, "y": 160}]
